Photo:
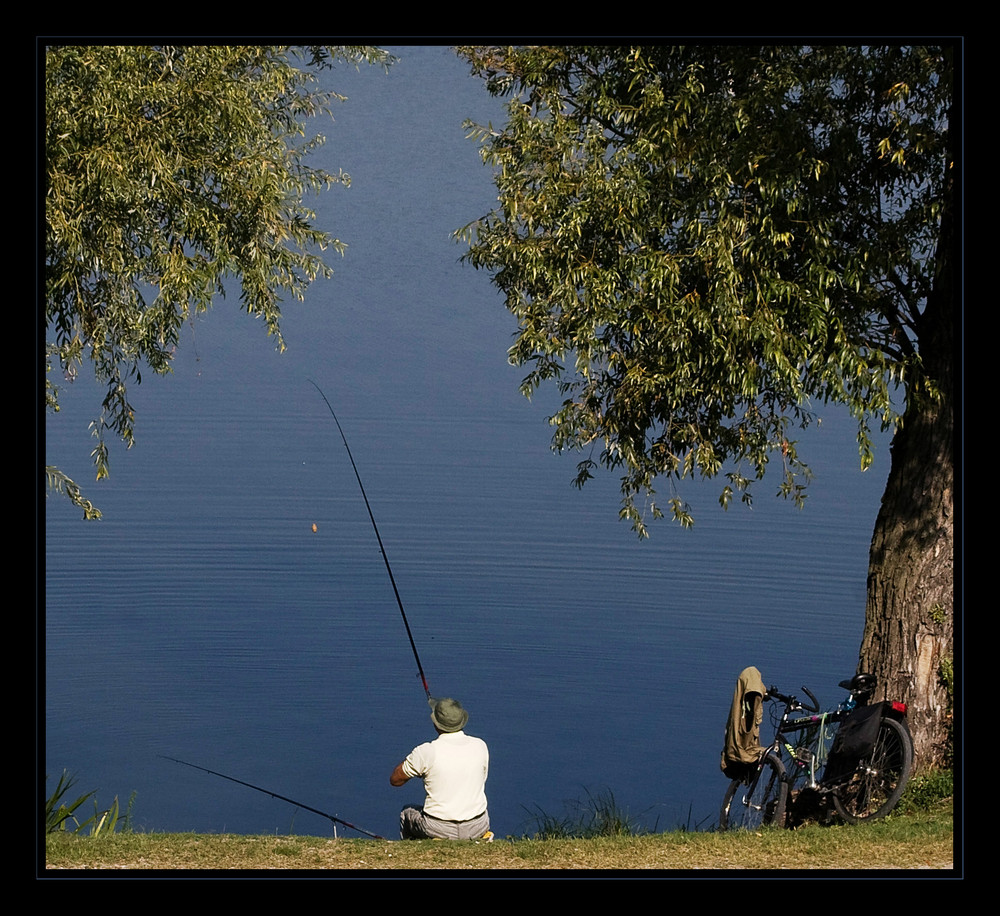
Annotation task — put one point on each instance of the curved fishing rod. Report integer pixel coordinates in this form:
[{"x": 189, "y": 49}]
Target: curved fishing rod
[
  {"x": 381, "y": 547},
  {"x": 333, "y": 818}
]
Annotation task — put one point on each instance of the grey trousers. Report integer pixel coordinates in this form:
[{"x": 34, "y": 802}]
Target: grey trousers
[{"x": 415, "y": 825}]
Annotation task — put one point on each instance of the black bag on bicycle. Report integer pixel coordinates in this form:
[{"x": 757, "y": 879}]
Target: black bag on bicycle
[
  {"x": 855, "y": 740},
  {"x": 742, "y": 748}
]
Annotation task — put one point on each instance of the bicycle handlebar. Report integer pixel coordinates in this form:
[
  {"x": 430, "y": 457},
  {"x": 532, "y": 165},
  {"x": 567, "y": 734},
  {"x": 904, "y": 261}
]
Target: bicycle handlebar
[
  {"x": 793, "y": 702},
  {"x": 772, "y": 694}
]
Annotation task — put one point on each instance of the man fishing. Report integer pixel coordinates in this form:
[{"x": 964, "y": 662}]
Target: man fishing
[{"x": 453, "y": 767}]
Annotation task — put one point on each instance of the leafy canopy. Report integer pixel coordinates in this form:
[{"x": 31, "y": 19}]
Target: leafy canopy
[
  {"x": 169, "y": 170},
  {"x": 702, "y": 243}
]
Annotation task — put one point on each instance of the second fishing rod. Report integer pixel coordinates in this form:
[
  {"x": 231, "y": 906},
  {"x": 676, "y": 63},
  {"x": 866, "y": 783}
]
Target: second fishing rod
[{"x": 385, "y": 558}]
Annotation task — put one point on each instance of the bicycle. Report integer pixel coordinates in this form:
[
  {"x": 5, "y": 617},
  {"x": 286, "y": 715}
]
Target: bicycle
[{"x": 863, "y": 784}]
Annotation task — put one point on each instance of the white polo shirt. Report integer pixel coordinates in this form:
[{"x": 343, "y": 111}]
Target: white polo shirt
[{"x": 454, "y": 767}]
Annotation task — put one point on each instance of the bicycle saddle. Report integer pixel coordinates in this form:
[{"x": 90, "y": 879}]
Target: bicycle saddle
[{"x": 861, "y": 683}]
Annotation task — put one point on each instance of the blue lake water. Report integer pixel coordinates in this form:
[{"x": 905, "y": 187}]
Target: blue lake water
[{"x": 204, "y": 619}]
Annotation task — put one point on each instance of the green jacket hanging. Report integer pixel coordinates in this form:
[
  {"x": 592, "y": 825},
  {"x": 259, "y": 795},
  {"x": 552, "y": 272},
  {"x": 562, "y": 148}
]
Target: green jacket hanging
[{"x": 742, "y": 747}]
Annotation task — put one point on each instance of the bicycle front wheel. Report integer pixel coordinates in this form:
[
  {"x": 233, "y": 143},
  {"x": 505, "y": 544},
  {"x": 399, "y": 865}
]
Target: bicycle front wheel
[
  {"x": 759, "y": 803},
  {"x": 878, "y": 782}
]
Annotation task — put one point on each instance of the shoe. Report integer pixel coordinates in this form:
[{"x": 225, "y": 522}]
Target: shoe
[{"x": 487, "y": 837}]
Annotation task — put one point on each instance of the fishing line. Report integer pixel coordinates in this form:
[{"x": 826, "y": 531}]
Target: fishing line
[
  {"x": 333, "y": 818},
  {"x": 381, "y": 547}
]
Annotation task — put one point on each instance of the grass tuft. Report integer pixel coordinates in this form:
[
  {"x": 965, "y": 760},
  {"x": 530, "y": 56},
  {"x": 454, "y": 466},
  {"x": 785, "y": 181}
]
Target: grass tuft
[
  {"x": 61, "y": 813},
  {"x": 926, "y": 792},
  {"x": 598, "y": 815}
]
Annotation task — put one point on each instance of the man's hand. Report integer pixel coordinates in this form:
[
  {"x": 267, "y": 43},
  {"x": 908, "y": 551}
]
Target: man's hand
[{"x": 398, "y": 776}]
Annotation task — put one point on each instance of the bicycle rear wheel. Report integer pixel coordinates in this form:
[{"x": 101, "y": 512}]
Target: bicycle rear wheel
[
  {"x": 759, "y": 803},
  {"x": 880, "y": 778}
]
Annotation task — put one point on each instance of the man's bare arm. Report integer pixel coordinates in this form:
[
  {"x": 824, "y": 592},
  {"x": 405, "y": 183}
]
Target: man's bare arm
[{"x": 398, "y": 776}]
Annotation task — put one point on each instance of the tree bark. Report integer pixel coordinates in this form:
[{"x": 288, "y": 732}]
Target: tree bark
[{"x": 909, "y": 621}]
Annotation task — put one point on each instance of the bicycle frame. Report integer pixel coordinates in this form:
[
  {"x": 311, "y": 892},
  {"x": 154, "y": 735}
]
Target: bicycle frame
[{"x": 806, "y": 757}]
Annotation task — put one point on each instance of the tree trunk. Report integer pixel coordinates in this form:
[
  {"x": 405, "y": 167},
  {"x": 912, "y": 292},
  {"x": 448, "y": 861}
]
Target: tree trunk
[{"x": 909, "y": 621}]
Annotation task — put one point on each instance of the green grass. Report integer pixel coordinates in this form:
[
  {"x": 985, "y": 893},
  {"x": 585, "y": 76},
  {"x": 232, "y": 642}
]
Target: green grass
[
  {"x": 593, "y": 833},
  {"x": 922, "y": 840}
]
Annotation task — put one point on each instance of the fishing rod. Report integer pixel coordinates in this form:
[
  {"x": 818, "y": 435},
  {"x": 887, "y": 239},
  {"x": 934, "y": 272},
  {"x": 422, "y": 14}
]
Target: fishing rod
[
  {"x": 392, "y": 578},
  {"x": 333, "y": 818}
]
